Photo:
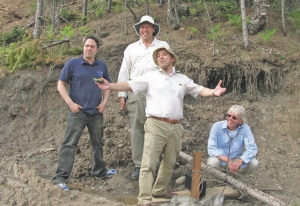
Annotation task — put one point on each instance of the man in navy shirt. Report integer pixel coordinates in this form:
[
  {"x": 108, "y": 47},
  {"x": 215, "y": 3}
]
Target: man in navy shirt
[{"x": 86, "y": 105}]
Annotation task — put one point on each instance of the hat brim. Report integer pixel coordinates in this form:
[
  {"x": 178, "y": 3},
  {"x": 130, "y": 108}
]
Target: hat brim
[
  {"x": 137, "y": 28},
  {"x": 154, "y": 55}
]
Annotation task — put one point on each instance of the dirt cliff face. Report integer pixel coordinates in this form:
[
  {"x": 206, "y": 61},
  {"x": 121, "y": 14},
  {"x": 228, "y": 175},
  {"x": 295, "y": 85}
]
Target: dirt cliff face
[{"x": 264, "y": 79}]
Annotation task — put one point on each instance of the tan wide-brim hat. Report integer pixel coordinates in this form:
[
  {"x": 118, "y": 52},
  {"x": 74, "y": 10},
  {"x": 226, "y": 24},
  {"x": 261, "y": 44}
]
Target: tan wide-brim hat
[
  {"x": 154, "y": 55},
  {"x": 146, "y": 19}
]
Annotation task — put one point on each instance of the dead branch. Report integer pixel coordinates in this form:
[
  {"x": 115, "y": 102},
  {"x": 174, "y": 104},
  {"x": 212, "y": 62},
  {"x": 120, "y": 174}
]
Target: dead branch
[
  {"x": 55, "y": 43},
  {"x": 256, "y": 193},
  {"x": 134, "y": 16},
  {"x": 29, "y": 25}
]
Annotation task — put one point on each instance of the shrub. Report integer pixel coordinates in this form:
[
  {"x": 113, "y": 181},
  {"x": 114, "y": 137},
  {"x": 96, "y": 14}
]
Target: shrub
[
  {"x": 14, "y": 36},
  {"x": 267, "y": 35}
]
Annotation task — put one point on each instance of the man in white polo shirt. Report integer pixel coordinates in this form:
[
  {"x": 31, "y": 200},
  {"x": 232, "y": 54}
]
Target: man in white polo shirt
[
  {"x": 136, "y": 62},
  {"x": 165, "y": 90}
]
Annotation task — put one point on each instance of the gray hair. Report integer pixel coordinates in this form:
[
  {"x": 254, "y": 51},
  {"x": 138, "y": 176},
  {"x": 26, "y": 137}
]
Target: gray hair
[{"x": 239, "y": 110}]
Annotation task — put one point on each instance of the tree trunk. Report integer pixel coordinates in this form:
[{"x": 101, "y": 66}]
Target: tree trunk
[
  {"x": 147, "y": 7},
  {"x": 84, "y": 12},
  {"x": 109, "y": 6},
  {"x": 171, "y": 19},
  {"x": 283, "y": 19},
  {"x": 38, "y": 19},
  {"x": 268, "y": 199},
  {"x": 125, "y": 20},
  {"x": 244, "y": 24}
]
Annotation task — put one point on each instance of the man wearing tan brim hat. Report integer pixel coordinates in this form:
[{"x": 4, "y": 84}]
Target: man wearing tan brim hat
[
  {"x": 165, "y": 90},
  {"x": 136, "y": 62}
]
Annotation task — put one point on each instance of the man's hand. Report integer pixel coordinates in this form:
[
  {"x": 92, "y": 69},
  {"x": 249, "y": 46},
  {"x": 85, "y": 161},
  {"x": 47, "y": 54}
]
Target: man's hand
[
  {"x": 234, "y": 165},
  {"x": 74, "y": 107},
  {"x": 122, "y": 103},
  {"x": 219, "y": 90},
  {"x": 104, "y": 86}
]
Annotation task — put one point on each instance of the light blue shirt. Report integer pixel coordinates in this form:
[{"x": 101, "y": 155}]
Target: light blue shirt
[{"x": 240, "y": 141}]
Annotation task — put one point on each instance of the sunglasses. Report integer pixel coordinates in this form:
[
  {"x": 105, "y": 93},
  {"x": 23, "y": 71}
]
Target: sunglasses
[{"x": 233, "y": 117}]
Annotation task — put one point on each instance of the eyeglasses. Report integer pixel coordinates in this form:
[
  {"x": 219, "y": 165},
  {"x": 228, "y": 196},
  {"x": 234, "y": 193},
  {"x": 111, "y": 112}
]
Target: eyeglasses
[{"x": 233, "y": 117}]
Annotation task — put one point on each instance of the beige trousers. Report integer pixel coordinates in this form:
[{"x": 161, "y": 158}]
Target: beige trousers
[
  {"x": 161, "y": 138},
  {"x": 136, "y": 110}
]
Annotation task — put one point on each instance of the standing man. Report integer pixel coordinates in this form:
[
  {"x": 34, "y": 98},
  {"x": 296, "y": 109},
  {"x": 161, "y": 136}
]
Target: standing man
[
  {"x": 231, "y": 145},
  {"x": 165, "y": 90},
  {"x": 136, "y": 62},
  {"x": 86, "y": 105}
]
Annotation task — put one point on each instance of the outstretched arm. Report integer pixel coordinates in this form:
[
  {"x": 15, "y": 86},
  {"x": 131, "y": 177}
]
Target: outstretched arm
[
  {"x": 119, "y": 86},
  {"x": 218, "y": 91}
]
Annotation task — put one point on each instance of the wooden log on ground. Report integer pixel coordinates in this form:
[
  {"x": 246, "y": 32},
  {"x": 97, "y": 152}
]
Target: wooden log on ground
[{"x": 256, "y": 193}]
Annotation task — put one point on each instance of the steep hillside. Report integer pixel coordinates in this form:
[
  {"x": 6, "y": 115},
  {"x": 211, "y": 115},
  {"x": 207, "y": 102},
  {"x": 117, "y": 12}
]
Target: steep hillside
[{"x": 264, "y": 79}]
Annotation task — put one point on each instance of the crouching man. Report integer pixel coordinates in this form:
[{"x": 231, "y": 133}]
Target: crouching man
[{"x": 231, "y": 145}]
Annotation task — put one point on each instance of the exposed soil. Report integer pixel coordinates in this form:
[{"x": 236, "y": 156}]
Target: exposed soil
[{"x": 264, "y": 79}]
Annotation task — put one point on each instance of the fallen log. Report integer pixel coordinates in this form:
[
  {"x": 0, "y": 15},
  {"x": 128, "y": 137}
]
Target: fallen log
[
  {"x": 270, "y": 200},
  {"x": 56, "y": 43}
]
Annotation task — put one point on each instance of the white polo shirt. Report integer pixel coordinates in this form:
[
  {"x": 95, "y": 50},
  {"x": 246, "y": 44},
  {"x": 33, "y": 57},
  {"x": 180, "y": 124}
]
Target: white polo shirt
[
  {"x": 165, "y": 93},
  {"x": 138, "y": 61}
]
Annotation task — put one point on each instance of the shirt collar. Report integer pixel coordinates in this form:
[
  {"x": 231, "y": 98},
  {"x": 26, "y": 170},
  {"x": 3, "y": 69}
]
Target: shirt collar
[
  {"x": 83, "y": 61},
  {"x": 172, "y": 73},
  {"x": 154, "y": 42}
]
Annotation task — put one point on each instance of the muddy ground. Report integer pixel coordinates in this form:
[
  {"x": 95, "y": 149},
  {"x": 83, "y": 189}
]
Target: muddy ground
[{"x": 264, "y": 79}]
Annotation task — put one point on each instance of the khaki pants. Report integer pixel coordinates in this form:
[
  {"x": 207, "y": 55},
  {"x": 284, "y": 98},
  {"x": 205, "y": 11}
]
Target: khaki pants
[
  {"x": 242, "y": 172},
  {"x": 161, "y": 138},
  {"x": 136, "y": 105}
]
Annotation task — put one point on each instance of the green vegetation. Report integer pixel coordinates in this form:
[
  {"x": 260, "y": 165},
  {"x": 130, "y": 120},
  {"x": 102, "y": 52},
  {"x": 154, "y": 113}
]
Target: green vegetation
[
  {"x": 193, "y": 29},
  {"x": 235, "y": 20},
  {"x": 15, "y": 35},
  {"x": 118, "y": 6},
  {"x": 266, "y": 36},
  {"x": 85, "y": 31},
  {"x": 19, "y": 50},
  {"x": 214, "y": 32},
  {"x": 68, "y": 31},
  {"x": 67, "y": 14},
  {"x": 222, "y": 8},
  {"x": 165, "y": 38},
  {"x": 294, "y": 17}
]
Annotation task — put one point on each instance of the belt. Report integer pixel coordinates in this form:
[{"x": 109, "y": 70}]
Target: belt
[{"x": 172, "y": 121}]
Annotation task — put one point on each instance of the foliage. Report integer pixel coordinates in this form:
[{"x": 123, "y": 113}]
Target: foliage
[
  {"x": 67, "y": 14},
  {"x": 294, "y": 17},
  {"x": 85, "y": 31},
  {"x": 22, "y": 54},
  {"x": 74, "y": 52},
  {"x": 224, "y": 6},
  {"x": 118, "y": 6},
  {"x": 100, "y": 12},
  {"x": 14, "y": 36},
  {"x": 193, "y": 29},
  {"x": 214, "y": 32},
  {"x": 165, "y": 38},
  {"x": 32, "y": 8},
  {"x": 30, "y": 54},
  {"x": 194, "y": 11},
  {"x": 267, "y": 35},
  {"x": 68, "y": 31},
  {"x": 236, "y": 20}
]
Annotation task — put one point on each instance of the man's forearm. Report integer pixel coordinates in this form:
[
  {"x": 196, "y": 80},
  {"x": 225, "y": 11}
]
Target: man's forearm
[{"x": 120, "y": 86}]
